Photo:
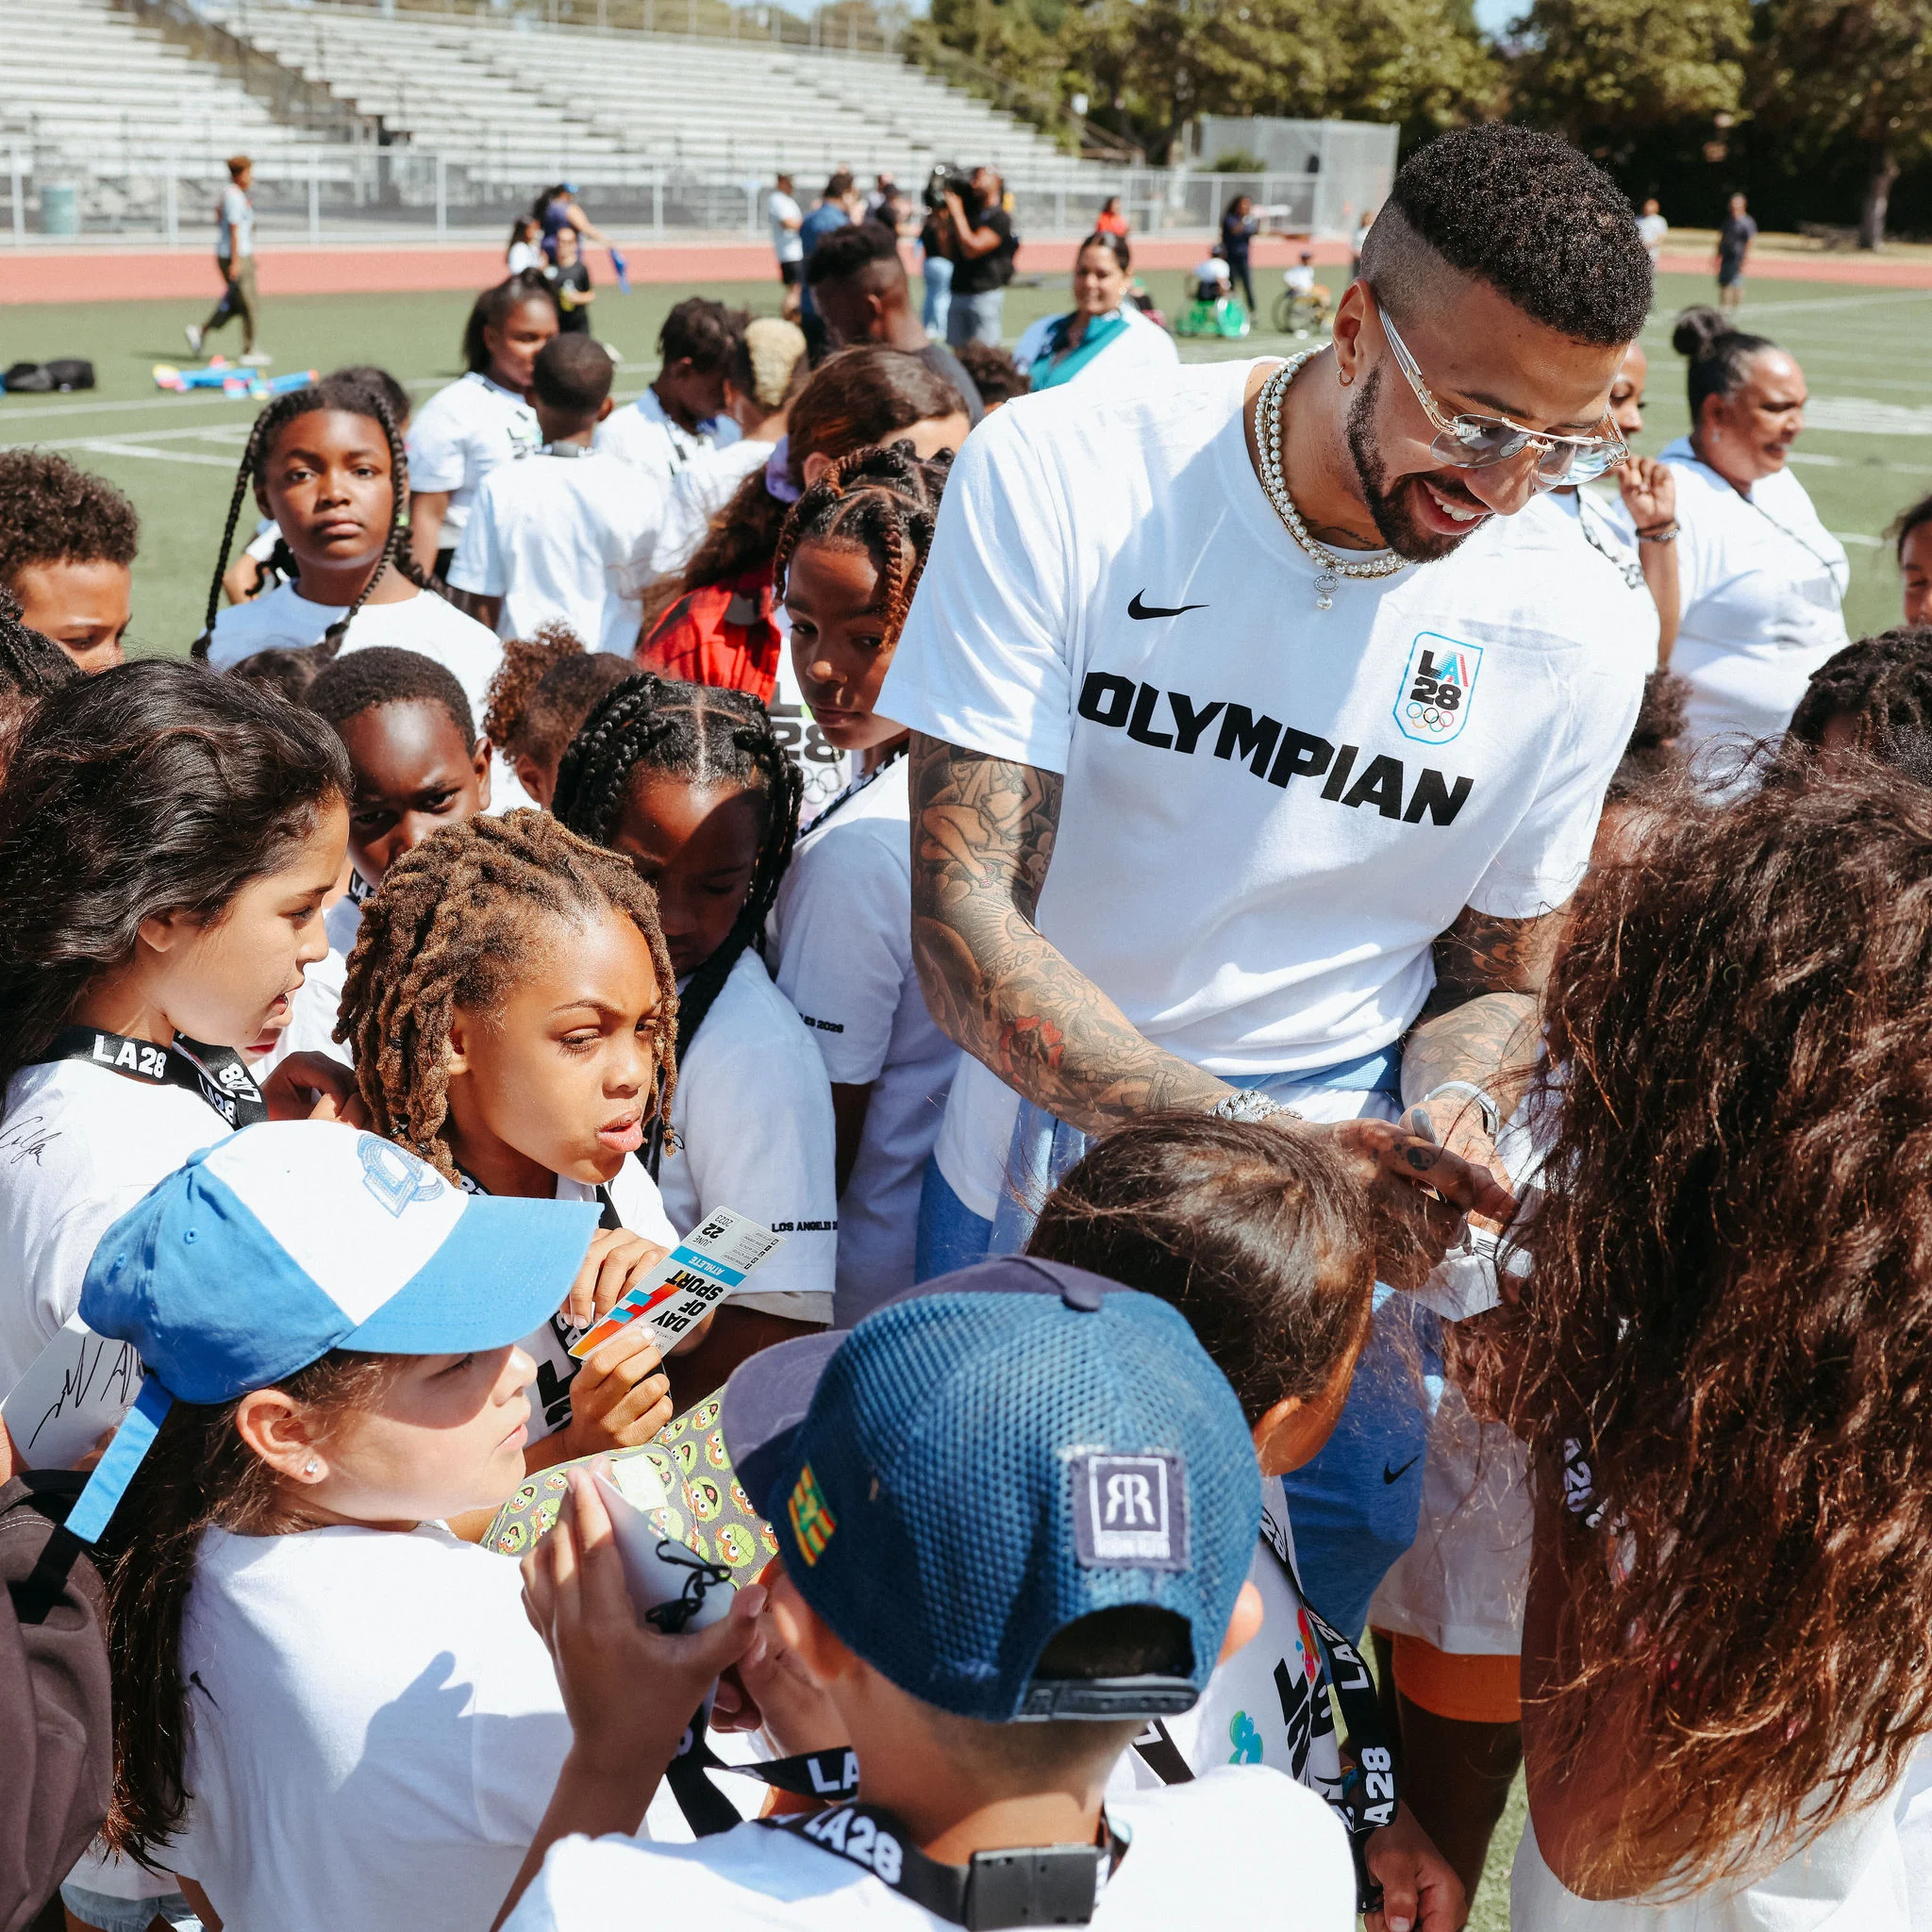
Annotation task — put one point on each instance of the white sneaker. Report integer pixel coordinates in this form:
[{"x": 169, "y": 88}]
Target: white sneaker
[
  {"x": 193, "y": 334},
  {"x": 255, "y": 360}
]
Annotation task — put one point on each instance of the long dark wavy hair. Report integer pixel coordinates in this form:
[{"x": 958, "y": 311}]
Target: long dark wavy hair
[
  {"x": 198, "y": 1476},
  {"x": 1730, "y": 1317},
  {"x": 154, "y": 788}
]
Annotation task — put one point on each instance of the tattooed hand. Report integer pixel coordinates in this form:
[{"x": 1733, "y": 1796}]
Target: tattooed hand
[{"x": 1414, "y": 1230}]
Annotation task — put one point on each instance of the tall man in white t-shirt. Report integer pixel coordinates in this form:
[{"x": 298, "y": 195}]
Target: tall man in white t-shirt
[
  {"x": 786, "y": 218},
  {"x": 1249, "y": 751}
]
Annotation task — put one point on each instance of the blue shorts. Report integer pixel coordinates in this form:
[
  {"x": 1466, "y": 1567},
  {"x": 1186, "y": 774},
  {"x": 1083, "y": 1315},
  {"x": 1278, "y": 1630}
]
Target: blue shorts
[
  {"x": 950, "y": 1234},
  {"x": 110, "y": 1914}
]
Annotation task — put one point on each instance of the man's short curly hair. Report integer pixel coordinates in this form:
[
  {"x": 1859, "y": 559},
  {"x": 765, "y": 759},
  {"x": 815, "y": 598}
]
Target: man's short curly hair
[
  {"x": 1523, "y": 211},
  {"x": 53, "y": 511}
]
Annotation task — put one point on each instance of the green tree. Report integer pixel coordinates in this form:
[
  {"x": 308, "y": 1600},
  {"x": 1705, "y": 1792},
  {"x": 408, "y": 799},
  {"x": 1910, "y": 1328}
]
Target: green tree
[
  {"x": 1859, "y": 71},
  {"x": 1597, "y": 70}
]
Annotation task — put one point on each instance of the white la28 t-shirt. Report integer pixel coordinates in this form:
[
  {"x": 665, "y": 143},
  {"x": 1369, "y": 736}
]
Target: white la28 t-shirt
[{"x": 1271, "y": 811}]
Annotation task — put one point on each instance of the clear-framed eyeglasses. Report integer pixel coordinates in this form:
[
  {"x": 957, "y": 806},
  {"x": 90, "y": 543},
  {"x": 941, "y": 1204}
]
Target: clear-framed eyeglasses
[{"x": 1478, "y": 443}]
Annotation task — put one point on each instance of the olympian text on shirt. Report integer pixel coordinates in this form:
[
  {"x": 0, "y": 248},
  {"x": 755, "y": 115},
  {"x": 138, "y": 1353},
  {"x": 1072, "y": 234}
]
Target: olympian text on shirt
[{"x": 1173, "y": 721}]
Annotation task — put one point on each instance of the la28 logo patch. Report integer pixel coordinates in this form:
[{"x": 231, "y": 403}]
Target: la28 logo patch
[{"x": 1437, "y": 687}]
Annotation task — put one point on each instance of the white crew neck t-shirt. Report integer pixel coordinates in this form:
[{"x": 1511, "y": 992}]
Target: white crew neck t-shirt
[
  {"x": 1609, "y": 569},
  {"x": 753, "y": 1113},
  {"x": 1268, "y": 1704},
  {"x": 461, "y": 434},
  {"x": 641, "y": 1209},
  {"x": 565, "y": 537},
  {"x": 79, "y": 1145},
  {"x": 843, "y": 925},
  {"x": 430, "y": 625},
  {"x": 699, "y": 491},
  {"x": 1227, "y": 1850},
  {"x": 1271, "y": 811},
  {"x": 374, "y": 1730},
  {"x": 1762, "y": 585},
  {"x": 645, "y": 435}
]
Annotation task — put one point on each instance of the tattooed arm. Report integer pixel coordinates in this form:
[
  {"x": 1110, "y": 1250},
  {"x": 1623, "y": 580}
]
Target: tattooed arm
[
  {"x": 982, "y": 839},
  {"x": 1480, "y": 1023}
]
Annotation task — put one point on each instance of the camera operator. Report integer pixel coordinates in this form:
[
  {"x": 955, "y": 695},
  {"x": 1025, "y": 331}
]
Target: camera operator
[{"x": 982, "y": 246}]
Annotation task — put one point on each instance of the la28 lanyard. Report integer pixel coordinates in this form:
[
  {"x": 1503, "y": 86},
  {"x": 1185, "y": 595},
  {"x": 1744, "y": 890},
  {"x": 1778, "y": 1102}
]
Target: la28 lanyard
[
  {"x": 1025, "y": 1885},
  {"x": 217, "y": 1075},
  {"x": 1367, "y": 1800}
]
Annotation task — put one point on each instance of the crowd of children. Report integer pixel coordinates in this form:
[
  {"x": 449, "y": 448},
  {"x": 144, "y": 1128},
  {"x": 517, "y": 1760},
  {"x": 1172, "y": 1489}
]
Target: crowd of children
[{"x": 518, "y": 873}]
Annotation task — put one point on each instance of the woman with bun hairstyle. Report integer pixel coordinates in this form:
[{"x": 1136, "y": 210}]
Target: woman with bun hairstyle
[
  {"x": 1104, "y": 324},
  {"x": 726, "y": 626},
  {"x": 1761, "y": 581}
]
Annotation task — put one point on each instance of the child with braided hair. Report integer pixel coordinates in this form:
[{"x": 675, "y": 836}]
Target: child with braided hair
[
  {"x": 693, "y": 786},
  {"x": 327, "y": 464},
  {"x": 510, "y": 1006},
  {"x": 848, "y": 562},
  {"x": 548, "y": 685}
]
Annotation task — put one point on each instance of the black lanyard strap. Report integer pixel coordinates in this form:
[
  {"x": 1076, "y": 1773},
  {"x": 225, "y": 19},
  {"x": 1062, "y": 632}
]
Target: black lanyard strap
[
  {"x": 1025, "y": 1885},
  {"x": 217, "y": 1075}
]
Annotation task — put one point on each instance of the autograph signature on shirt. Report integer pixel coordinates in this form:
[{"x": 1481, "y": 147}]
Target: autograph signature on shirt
[{"x": 24, "y": 1139}]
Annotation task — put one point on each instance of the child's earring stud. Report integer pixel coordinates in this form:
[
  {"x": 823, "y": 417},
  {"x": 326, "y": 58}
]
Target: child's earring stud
[{"x": 310, "y": 1467}]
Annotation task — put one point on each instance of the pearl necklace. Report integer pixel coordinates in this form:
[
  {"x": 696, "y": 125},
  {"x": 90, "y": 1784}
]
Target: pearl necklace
[{"x": 1268, "y": 440}]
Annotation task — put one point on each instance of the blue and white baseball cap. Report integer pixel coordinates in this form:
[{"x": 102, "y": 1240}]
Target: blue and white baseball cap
[
  {"x": 987, "y": 1458},
  {"x": 269, "y": 1249}
]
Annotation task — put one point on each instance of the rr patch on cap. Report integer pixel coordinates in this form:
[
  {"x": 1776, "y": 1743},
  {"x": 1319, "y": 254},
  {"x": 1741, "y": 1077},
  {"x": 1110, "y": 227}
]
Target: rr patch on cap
[
  {"x": 812, "y": 1522},
  {"x": 1130, "y": 1512}
]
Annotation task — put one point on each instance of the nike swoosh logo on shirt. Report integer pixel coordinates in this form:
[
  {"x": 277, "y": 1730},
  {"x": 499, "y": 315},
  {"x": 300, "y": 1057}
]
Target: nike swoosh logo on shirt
[
  {"x": 1395, "y": 1475},
  {"x": 1137, "y": 609}
]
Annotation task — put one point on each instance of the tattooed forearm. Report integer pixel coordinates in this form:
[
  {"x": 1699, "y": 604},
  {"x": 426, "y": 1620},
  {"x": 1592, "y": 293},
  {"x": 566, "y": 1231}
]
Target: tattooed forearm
[
  {"x": 982, "y": 839},
  {"x": 1480, "y": 1022}
]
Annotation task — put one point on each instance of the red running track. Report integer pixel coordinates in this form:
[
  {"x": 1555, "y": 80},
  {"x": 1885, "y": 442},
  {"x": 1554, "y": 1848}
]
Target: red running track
[{"x": 33, "y": 274}]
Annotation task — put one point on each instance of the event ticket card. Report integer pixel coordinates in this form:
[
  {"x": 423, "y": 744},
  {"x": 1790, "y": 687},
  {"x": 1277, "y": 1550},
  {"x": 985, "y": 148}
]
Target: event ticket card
[{"x": 707, "y": 1265}]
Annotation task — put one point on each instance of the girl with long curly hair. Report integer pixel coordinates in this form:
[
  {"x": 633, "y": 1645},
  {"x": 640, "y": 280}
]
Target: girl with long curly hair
[
  {"x": 1728, "y": 1373},
  {"x": 511, "y": 1010}
]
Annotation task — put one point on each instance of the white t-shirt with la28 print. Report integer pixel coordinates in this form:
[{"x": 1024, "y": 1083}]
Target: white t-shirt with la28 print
[
  {"x": 1228, "y": 1850},
  {"x": 843, "y": 925},
  {"x": 1271, "y": 811},
  {"x": 563, "y": 536},
  {"x": 461, "y": 434},
  {"x": 753, "y": 1116},
  {"x": 79, "y": 1145},
  {"x": 1268, "y": 1704}
]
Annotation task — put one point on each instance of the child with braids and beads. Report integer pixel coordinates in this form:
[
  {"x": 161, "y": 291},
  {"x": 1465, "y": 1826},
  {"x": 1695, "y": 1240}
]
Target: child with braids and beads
[
  {"x": 694, "y": 788},
  {"x": 547, "y": 687},
  {"x": 511, "y": 1010},
  {"x": 848, "y": 562},
  {"x": 327, "y": 464},
  {"x": 266, "y": 560},
  {"x": 30, "y": 667}
]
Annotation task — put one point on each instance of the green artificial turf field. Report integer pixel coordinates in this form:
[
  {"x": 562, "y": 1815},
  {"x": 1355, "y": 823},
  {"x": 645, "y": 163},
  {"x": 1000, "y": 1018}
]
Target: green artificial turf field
[{"x": 1866, "y": 453}]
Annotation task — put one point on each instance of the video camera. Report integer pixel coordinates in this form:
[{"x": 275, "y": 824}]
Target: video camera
[{"x": 945, "y": 179}]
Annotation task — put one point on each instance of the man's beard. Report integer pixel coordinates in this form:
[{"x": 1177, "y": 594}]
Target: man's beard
[{"x": 1394, "y": 520}]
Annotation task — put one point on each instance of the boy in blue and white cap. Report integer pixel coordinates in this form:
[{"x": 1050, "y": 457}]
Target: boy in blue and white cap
[
  {"x": 329, "y": 1711},
  {"x": 1015, "y": 1511}
]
